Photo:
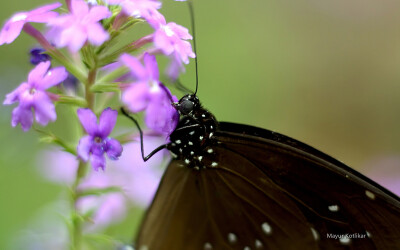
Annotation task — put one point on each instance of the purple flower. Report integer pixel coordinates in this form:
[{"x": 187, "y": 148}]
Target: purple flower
[
  {"x": 82, "y": 25},
  {"x": 32, "y": 95},
  {"x": 171, "y": 38},
  {"x": 14, "y": 25},
  {"x": 146, "y": 9},
  {"x": 147, "y": 93},
  {"x": 97, "y": 141}
]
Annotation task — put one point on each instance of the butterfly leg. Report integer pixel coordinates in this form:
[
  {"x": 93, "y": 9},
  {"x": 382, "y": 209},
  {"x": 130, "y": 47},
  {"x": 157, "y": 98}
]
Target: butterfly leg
[{"x": 145, "y": 158}]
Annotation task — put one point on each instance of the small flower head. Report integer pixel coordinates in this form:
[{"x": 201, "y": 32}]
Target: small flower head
[
  {"x": 14, "y": 25},
  {"x": 81, "y": 25},
  {"x": 32, "y": 95},
  {"x": 171, "y": 39},
  {"x": 147, "y": 9},
  {"x": 38, "y": 56},
  {"x": 98, "y": 142},
  {"x": 147, "y": 93}
]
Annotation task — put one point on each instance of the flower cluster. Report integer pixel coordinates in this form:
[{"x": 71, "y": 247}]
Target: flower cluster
[{"x": 80, "y": 62}]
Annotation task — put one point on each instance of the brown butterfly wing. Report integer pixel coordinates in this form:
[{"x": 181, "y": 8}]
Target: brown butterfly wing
[{"x": 268, "y": 191}]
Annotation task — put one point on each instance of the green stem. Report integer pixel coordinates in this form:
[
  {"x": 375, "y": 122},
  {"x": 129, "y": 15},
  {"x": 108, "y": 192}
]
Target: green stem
[{"x": 76, "y": 230}]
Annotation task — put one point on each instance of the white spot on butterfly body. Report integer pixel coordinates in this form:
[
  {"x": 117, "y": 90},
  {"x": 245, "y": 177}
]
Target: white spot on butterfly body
[
  {"x": 200, "y": 158},
  {"x": 190, "y": 143},
  {"x": 333, "y": 208},
  {"x": 191, "y": 152},
  {"x": 211, "y": 127},
  {"x": 180, "y": 150},
  {"x": 214, "y": 164},
  {"x": 201, "y": 137},
  {"x": 207, "y": 246},
  {"x": 203, "y": 115},
  {"x": 174, "y": 155},
  {"x": 246, "y": 248},
  {"x": 266, "y": 228},
  {"x": 258, "y": 244},
  {"x": 178, "y": 141},
  {"x": 232, "y": 238},
  {"x": 368, "y": 234},
  {"x": 187, "y": 161},
  {"x": 196, "y": 168},
  {"x": 211, "y": 135},
  {"x": 345, "y": 240},
  {"x": 315, "y": 234},
  {"x": 370, "y": 195},
  {"x": 210, "y": 150},
  {"x": 191, "y": 132}
]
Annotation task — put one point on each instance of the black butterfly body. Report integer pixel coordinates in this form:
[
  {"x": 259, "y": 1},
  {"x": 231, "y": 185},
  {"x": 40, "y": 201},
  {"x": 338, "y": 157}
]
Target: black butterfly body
[{"x": 233, "y": 186}]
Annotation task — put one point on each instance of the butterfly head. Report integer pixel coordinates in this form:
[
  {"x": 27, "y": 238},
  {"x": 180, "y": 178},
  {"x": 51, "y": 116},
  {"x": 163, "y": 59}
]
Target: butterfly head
[{"x": 187, "y": 104}]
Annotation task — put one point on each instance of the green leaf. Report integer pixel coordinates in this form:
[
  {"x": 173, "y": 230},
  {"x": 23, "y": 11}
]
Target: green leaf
[{"x": 73, "y": 100}]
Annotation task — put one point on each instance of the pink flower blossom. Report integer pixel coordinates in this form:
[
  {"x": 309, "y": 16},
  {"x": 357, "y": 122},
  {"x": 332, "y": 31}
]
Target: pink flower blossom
[
  {"x": 14, "y": 25},
  {"x": 82, "y": 25},
  {"x": 147, "y": 93}
]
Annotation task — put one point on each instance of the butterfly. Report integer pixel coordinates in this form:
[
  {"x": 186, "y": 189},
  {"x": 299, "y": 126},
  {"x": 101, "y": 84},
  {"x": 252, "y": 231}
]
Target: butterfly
[{"x": 233, "y": 186}]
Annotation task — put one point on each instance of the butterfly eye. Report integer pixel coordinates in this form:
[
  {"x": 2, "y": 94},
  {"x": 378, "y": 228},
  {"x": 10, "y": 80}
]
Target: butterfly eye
[{"x": 186, "y": 106}]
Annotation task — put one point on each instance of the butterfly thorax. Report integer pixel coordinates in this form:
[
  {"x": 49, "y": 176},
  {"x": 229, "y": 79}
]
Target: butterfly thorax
[{"x": 194, "y": 134}]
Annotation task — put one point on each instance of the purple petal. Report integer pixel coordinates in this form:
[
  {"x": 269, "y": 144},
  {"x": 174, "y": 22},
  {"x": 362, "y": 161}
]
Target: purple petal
[
  {"x": 88, "y": 120},
  {"x": 163, "y": 42},
  {"x": 45, "y": 8},
  {"x": 36, "y": 75},
  {"x": 44, "y": 108},
  {"x": 22, "y": 115},
  {"x": 137, "y": 97},
  {"x": 11, "y": 31},
  {"x": 161, "y": 116},
  {"x": 79, "y": 8},
  {"x": 108, "y": 118},
  {"x": 175, "y": 67},
  {"x": 114, "y": 1},
  {"x": 150, "y": 63},
  {"x": 96, "y": 34},
  {"x": 134, "y": 65},
  {"x": 84, "y": 146},
  {"x": 53, "y": 77},
  {"x": 13, "y": 96},
  {"x": 43, "y": 14},
  {"x": 74, "y": 37},
  {"x": 180, "y": 31},
  {"x": 113, "y": 148},
  {"x": 98, "y": 161},
  {"x": 98, "y": 13}
]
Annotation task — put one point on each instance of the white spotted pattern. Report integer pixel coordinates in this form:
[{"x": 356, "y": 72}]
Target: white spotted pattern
[
  {"x": 246, "y": 248},
  {"x": 211, "y": 135},
  {"x": 266, "y": 228},
  {"x": 203, "y": 115},
  {"x": 190, "y": 143},
  {"x": 370, "y": 195},
  {"x": 187, "y": 161},
  {"x": 345, "y": 240},
  {"x": 368, "y": 234},
  {"x": 315, "y": 234},
  {"x": 232, "y": 238},
  {"x": 207, "y": 246},
  {"x": 333, "y": 208},
  {"x": 178, "y": 141},
  {"x": 200, "y": 158},
  {"x": 214, "y": 164},
  {"x": 191, "y": 132},
  {"x": 201, "y": 137},
  {"x": 258, "y": 244},
  {"x": 210, "y": 150}
]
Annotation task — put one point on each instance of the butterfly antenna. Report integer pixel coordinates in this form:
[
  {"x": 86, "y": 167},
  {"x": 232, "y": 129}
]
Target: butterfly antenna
[{"x": 191, "y": 10}]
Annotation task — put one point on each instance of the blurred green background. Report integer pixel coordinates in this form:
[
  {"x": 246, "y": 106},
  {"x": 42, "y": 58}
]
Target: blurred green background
[{"x": 324, "y": 72}]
